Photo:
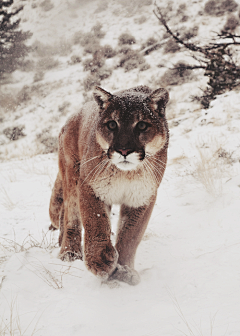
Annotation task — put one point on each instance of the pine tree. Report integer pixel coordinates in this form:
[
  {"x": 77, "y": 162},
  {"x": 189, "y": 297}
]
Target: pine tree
[{"x": 12, "y": 39}]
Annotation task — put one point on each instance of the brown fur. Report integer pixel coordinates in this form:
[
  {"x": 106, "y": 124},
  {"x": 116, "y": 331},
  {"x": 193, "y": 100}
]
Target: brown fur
[{"x": 92, "y": 176}]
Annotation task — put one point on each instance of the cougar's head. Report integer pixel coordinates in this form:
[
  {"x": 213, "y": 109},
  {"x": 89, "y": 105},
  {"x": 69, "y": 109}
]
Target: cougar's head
[{"x": 132, "y": 125}]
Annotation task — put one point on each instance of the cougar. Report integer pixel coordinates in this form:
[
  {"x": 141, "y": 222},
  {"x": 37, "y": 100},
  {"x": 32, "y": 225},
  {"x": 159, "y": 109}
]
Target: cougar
[{"x": 114, "y": 151}]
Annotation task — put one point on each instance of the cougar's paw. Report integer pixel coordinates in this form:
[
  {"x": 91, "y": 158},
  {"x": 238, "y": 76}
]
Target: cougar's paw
[
  {"x": 52, "y": 228},
  {"x": 70, "y": 256},
  {"x": 102, "y": 262},
  {"x": 125, "y": 274}
]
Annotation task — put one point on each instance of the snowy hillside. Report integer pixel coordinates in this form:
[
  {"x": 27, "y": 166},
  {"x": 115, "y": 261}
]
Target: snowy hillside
[{"x": 190, "y": 254}]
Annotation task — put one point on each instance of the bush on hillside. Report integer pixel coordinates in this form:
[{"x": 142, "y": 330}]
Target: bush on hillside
[
  {"x": 131, "y": 60},
  {"x": 97, "y": 31},
  {"x": 177, "y": 75},
  {"x": 171, "y": 46},
  {"x": 91, "y": 81},
  {"x": 141, "y": 19},
  {"x": 219, "y": 7},
  {"x": 47, "y": 63},
  {"x": 61, "y": 48},
  {"x": 107, "y": 51},
  {"x": 14, "y": 133},
  {"x": 126, "y": 38},
  {"x": 46, "y": 5},
  {"x": 231, "y": 24}
]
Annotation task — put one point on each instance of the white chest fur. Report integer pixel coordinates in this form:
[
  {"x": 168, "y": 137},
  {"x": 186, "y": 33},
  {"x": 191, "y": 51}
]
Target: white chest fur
[{"x": 132, "y": 189}]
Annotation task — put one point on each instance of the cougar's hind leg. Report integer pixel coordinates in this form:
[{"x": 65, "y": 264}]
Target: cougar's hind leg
[
  {"x": 61, "y": 221},
  {"x": 56, "y": 203},
  {"x": 70, "y": 231},
  {"x": 70, "y": 224}
]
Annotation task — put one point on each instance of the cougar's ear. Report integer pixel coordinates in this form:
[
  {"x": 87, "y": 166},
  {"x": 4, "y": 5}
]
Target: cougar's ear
[
  {"x": 158, "y": 100},
  {"x": 102, "y": 97}
]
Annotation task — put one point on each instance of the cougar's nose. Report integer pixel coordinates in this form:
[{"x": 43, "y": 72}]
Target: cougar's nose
[{"x": 124, "y": 152}]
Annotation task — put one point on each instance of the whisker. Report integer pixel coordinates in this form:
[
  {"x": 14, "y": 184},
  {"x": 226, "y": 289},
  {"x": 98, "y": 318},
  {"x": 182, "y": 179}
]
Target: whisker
[
  {"x": 100, "y": 163},
  {"x": 84, "y": 162},
  {"x": 105, "y": 174},
  {"x": 153, "y": 157},
  {"x": 157, "y": 165},
  {"x": 160, "y": 172},
  {"x": 100, "y": 168},
  {"x": 156, "y": 161},
  {"x": 153, "y": 168},
  {"x": 149, "y": 170}
]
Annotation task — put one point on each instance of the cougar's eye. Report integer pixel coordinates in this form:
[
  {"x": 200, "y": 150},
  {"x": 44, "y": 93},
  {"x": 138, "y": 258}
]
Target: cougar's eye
[
  {"x": 112, "y": 125},
  {"x": 142, "y": 126}
]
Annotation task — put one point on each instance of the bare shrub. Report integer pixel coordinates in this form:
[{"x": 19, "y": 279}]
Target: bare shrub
[
  {"x": 104, "y": 73},
  {"x": 108, "y": 51},
  {"x": 50, "y": 142},
  {"x": 124, "y": 50},
  {"x": 63, "y": 108},
  {"x": 47, "y": 63},
  {"x": 145, "y": 66},
  {"x": 181, "y": 9},
  {"x": 24, "y": 95},
  {"x": 126, "y": 38},
  {"x": 8, "y": 101},
  {"x": 97, "y": 31},
  {"x": 90, "y": 82},
  {"x": 39, "y": 75},
  {"x": 231, "y": 24},
  {"x": 177, "y": 75},
  {"x": 103, "y": 5},
  {"x": 146, "y": 3},
  {"x": 90, "y": 40},
  {"x": 150, "y": 41},
  {"x": 92, "y": 47},
  {"x": 61, "y": 48},
  {"x": 184, "y": 18},
  {"x": 216, "y": 58},
  {"x": 220, "y": 7},
  {"x": 27, "y": 65},
  {"x": 131, "y": 60},
  {"x": 171, "y": 47},
  {"x": 46, "y": 5},
  {"x": 87, "y": 40},
  {"x": 131, "y": 64},
  {"x": 140, "y": 20},
  {"x": 75, "y": 59},
  {"x": 193, "y": 32},
  {"x": 93, "y": 64},
  {"x": 14, "y": 133}
]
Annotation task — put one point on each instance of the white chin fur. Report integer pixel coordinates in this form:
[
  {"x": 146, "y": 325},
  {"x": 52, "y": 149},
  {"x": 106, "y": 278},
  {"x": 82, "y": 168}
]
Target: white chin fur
[{"x": 130, "y": 163}]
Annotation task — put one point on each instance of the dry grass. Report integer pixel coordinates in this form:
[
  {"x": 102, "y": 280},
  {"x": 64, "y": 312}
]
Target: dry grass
[
  {"x": 6, "y": 200},
  {"x": 192, "y": 329},
  {"x": 213, "y": 165},
  {"x": 47, "y": 242},
  {"x": 209, "y": 173},
  {"x": 11, "y": 325},
  {"x": 51, "y": 279}
]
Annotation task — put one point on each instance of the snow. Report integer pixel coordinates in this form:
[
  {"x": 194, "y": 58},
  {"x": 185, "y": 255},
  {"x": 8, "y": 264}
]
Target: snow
[{"x": 189, "y": 257}]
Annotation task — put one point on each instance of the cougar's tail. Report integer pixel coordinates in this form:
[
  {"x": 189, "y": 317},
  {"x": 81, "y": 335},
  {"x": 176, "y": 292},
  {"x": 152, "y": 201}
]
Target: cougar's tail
[{"x": 56, "y": 203}]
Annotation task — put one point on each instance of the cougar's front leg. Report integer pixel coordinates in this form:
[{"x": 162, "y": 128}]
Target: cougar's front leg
[
  {"x": 99, "y": 254},
  {"x": 132, "y": 225}
]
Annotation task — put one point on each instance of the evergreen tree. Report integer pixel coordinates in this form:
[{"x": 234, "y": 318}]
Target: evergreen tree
[{"x": 12, "y": 46}]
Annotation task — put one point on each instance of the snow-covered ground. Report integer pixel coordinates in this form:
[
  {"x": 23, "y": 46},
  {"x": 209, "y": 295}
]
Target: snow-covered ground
[{"x": 190, "y": 254}]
